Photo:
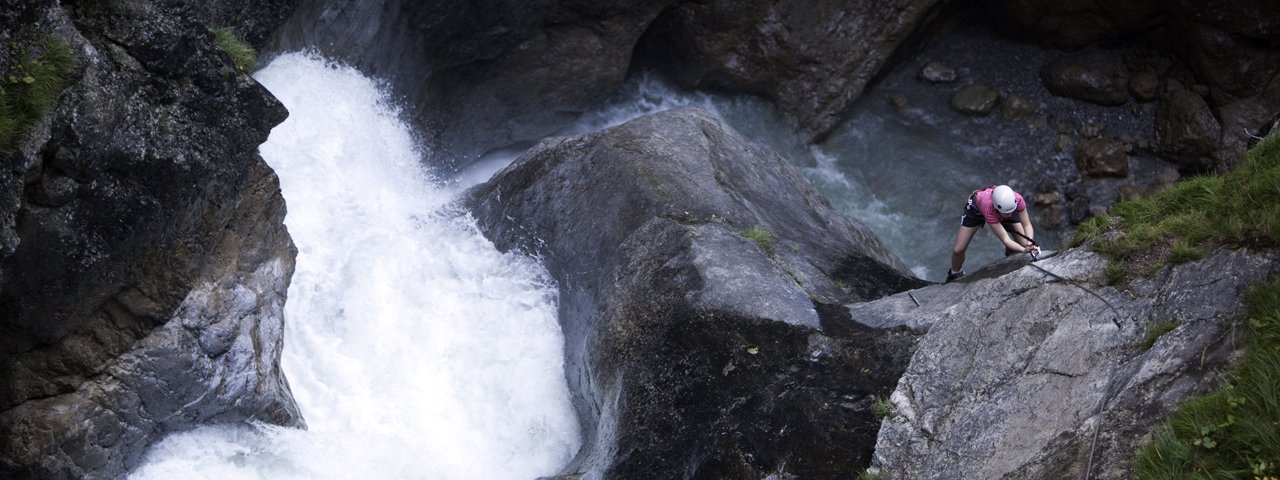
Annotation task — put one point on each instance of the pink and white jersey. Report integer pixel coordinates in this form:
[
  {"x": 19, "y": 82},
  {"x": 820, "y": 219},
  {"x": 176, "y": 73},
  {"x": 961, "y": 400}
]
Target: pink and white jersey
[{"x": 988, "y": 208}]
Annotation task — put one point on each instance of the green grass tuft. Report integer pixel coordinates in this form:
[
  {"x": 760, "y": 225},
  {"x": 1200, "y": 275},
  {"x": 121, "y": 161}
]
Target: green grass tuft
[
  {"x": 31, "y": 88},
  {"x": 1232, "y": 432},
  {"x": 762, "y": 236},
  {"x": 1187, "y": 221},
  {"x": 882, "y": 407},
  {"x": 243, "y": 55},
  {"x": 1156, "y": 331}
]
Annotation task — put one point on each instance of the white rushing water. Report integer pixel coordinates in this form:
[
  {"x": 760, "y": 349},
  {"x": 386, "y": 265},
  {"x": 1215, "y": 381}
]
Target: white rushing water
[{"x": 413, "y": 347}]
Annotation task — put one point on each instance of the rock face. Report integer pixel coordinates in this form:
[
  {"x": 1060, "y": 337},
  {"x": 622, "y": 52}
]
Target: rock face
[
  {"x": 1019, "y": 372},
  {"x": 143, "y": 278},
  {"x": 812, "y": 58},
  {"x": 698, "y": 275},
  {"x": 1102, "y": 157},
  {"x": 481, "y": 75},
  {"x": 1232, "y": 48},
  {"x": 1100, "y": 78},
  {"x": 1186, "y": 130}
]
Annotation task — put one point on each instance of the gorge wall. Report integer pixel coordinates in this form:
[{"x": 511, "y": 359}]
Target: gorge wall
[
  {"x": 144, "y": 263},
  {"x": 144, "y": 259}
]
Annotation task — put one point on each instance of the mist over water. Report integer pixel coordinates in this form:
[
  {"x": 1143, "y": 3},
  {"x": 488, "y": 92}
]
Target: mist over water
[{"x": 413, "y": 347}]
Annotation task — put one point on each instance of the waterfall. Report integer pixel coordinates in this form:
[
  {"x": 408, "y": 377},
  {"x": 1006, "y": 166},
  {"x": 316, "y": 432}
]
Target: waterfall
[{"x": 413, "y": 347}]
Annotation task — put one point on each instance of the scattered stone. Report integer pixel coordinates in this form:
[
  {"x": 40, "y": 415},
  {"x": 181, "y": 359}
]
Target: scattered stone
[
  {"x": 1144, "y": 86},
  {"x": 1048, "y": 198},
  {"x": 1134, "y": 192},
  {"x": 1040, "y": 121},
  {"x": 1061, "y": 126},
  {"x": 1102, "y": 157},
  {"x": 1079, "y": 210},
  {"x": 1091, "y": 130},
  {"x": 898, "y": 100},
  {"x": 1014, "y": 107},
  {"x": 1050, "y": 218},
  {"x": 1063, "y": 143},
  {"x": 1099, "y": 77},
  {"x": 974, "y": 100},
  {"x": 938, "y": 72},
  {"x": 1187, "y": 132}
]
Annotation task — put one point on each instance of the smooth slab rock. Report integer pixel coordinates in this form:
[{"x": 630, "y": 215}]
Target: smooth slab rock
[
  {"x": 1014, "y": 378},
  {"x": 693, "y": 350}
]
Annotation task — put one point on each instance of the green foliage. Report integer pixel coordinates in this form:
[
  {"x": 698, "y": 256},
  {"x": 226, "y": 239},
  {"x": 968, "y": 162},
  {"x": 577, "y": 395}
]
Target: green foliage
[
  {"x": 870, "y": 474},
  {"x": 1232, "y": 432},
  {"x": 1156, "y": 331},
  {"x": 39, "y": 74},
  {"x": 882, "y": 407},
  {"x": 762, "y": 236},
  {"x": 1188, "y": 220},
  {"x": 241, "y": 53}
]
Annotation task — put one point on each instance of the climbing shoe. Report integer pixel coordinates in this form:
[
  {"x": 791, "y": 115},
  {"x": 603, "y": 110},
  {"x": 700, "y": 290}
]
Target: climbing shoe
[{"x": 951, "y": 276}]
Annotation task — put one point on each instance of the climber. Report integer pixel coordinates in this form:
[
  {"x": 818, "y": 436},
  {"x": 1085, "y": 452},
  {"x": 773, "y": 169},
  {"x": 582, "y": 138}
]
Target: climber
[{"x": 1003, "y": 209}]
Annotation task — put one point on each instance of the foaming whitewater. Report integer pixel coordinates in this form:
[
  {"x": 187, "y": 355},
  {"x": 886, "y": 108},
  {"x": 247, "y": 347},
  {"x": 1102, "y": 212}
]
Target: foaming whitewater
[{"x": 413, "y": 347}]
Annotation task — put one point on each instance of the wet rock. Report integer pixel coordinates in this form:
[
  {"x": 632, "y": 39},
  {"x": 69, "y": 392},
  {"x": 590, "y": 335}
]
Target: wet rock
[
  {"x": 813, "y": 59},
  {"x": 693, "y": 351},
  {"x": 1046, "y": 199},
  {"x": 1238, "y": 67},
  {"x": 481, "y": 75},
  {"x": 898, "y": 100},
  {"x": 145, "y": 204},
  {"x": 1187, "y": 132},
  {"x": 1050, "y": 218},
  {"x": 1073, "y": 23},
  {"x": 1102, "y": 157},
  {"x": 1015, "y": 107},
  {"x": 975, "y": 100},
  {"x": 1144, "y": 86},
  {"x": 1091, "y": 130},
  {"x": 1018, "y": 371},
  {"x": 1079, "y": 210},
  {"x": 937, "y": 72},
  {"x": 1062, "y": 143},
  {"x": 1099, "y": 77}
]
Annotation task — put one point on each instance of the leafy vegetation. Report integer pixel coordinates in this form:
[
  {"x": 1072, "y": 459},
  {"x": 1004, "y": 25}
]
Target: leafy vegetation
[
  {"x": 1187, "y": 221},
  {"x": 29, "y": 90},
  {"x": 1232, "y": 432},
  {"x": 882, "y": 407},
  {"x": 241, "y": 53},
  {"x": 1156, "y": 331},
  {"x": 762, "y": 236}
]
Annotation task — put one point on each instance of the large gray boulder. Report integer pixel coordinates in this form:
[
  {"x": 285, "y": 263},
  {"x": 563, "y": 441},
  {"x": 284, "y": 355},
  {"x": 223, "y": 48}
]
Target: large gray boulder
[
  {"x": 1019, "y": 373},
  {"x": 144, "y": 259},
  {"x": 811, "y": 58},
  {"x": 693, "y": 350}
]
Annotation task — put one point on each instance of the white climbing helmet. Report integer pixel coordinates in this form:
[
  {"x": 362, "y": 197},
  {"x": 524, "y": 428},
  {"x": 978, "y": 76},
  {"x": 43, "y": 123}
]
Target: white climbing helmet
[{"x": 1004, "y": 199}]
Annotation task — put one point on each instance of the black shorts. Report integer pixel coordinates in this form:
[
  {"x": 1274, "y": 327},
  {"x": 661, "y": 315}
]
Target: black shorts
[{"x": 973, "y": 218}]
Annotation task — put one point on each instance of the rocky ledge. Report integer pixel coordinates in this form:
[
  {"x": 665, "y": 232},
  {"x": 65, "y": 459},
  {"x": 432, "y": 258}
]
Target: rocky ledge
[
  {"x": 701, "y": 280},
  {"x": 1028, "y": 375},
  {"x": 144, "y": 260}
]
